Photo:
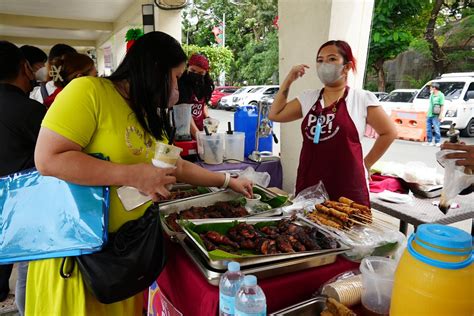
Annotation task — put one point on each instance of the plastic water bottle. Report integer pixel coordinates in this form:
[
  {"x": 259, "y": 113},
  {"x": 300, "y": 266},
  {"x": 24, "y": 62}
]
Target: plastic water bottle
[
  {"x": 250, "y": 299},
  {"x": 228, "y": 287}
]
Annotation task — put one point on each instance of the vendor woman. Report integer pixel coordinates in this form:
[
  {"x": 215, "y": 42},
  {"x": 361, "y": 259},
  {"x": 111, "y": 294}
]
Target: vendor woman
[
  {"x": 334, "y": 121},
  {"x": 196, "y": 87}
]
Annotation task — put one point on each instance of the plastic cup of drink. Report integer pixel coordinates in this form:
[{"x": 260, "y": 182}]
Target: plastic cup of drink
[{"x": 166, "y": 155}]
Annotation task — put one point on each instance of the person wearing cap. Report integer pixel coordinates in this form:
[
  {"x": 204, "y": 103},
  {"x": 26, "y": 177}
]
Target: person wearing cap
[
  {"x": 196, "y": 87},
  {"x": 434, "y": 116}
]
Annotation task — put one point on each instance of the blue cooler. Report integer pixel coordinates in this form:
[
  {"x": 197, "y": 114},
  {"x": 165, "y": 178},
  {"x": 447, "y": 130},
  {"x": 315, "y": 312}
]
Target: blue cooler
[{"x": 245, "y": 120}]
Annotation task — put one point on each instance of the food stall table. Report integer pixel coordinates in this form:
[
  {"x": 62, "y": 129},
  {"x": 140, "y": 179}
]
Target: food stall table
[
  {"x": 273, "y": 167},
  {"x": 183, "y": 284},
  {"x": 422, "y": 211}
]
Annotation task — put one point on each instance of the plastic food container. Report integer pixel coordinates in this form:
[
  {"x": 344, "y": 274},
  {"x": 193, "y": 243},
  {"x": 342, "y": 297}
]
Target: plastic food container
[
  {"x": 377, "y": 283},
  {"x": 211, "y": 148},
  {"x": 234, "y": 147}
]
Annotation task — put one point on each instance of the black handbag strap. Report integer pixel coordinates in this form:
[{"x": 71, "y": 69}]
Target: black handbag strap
[{"x": 66, "y": 274}]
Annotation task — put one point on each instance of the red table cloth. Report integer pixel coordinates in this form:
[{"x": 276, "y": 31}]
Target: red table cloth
[{"x": 187, "y": 289}]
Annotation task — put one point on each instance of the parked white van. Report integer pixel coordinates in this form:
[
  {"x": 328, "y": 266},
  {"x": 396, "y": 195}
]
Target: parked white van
[{"x": 458, "y": 89}]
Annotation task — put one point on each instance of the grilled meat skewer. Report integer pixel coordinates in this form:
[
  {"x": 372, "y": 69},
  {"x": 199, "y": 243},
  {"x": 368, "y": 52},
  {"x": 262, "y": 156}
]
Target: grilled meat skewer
[{"x": 343, "y": 217}]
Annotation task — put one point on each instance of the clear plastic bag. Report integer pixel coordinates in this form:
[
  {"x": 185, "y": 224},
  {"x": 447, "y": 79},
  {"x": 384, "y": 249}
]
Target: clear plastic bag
[
  {"x": 306, "y": 199},
  {"x": 373, "y": 240},
  {"x": 455, "y": 179},
  {"x": 260, "y": 178}
]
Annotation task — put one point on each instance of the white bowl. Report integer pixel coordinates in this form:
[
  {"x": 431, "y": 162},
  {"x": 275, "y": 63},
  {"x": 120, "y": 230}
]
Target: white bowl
[{"x": 251, "y": 202}]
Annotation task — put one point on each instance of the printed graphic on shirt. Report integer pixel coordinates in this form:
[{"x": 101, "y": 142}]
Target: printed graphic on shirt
[
  {"x": 328, "y": 127},
  {"x": 138, "y": 142},
  {"x": 196, "y": 109}
]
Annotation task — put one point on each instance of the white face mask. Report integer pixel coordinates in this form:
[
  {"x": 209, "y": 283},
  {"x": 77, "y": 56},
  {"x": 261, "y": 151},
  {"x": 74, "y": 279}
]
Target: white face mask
[
  {"x": 329, "y": 73},
  {"x": 41, "y": 74}
]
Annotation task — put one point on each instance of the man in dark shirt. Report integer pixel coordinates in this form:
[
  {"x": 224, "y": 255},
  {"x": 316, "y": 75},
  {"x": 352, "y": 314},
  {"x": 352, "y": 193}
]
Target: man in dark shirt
[{"x": 20, "y": 121}]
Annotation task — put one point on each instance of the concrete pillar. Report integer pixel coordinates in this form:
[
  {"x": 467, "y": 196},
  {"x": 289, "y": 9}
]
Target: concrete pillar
[
  {"x": 168, "y": 21},
  {"x": 304, "y": 25}
]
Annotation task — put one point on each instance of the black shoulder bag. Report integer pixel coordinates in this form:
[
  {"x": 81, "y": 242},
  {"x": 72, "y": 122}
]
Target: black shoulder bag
[{"x": 131, "y": 261}]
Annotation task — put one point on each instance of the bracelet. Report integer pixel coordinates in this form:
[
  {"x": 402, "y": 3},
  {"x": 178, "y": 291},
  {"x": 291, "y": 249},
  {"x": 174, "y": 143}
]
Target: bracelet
[{"x": 226, "y": 181}]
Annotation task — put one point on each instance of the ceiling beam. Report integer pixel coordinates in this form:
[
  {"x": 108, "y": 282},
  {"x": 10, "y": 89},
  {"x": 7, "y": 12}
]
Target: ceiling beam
[
  {"x": 53, "y": 23},
  {"x": 131, "y": 16},
  {"x": 36, "y": 41}
]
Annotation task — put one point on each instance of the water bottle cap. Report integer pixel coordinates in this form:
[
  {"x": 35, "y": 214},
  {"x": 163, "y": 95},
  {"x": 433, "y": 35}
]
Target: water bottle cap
[
  {"x": 233, "y": 266},
  {"x": 444, "y": 236},
  {"x": 250, "y": 280}
]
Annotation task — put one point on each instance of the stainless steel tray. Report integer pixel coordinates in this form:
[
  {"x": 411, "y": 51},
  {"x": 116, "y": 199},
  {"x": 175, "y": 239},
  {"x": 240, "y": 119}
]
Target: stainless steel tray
[
  {"x": 257, "y": 259},
  {"x": 311, "y": 307},
  {"x": 207, "y": 200},
  {"x": 263, "y": 271},
  {"x": 183, "y": 187}
]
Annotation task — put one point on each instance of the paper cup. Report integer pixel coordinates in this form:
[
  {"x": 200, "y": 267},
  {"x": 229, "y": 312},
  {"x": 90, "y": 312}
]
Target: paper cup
[
  {"x": 166, "y": 155},
  {"x": 347, "y": 292}
]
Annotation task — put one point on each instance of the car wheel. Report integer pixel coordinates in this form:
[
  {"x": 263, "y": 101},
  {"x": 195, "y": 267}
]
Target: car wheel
[
  {"x": 469, "y": 130},
  {"x": 253, "y": 103}
]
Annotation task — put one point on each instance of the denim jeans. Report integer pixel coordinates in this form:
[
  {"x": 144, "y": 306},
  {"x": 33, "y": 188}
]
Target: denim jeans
[
  {"x": 20, "y": 289},
  {"x": 433, "y": 122}
]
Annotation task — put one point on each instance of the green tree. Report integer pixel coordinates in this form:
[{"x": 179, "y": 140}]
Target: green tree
[
  {"x": 220, "y": 58},
  {"x": 393, "y": 28},
  {"x": 250, "y": 35},
  {"x": 443, "y": 11}
]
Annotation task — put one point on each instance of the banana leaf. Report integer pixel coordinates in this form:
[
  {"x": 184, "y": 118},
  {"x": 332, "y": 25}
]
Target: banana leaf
[
  {"x": 275, "y": 202},
  {"x": 222, "y": 228}
]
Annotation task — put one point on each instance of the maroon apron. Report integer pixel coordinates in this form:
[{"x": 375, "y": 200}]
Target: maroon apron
[
  {"x": 337, "y": 159},
  {"x": 197, "y": 110}
]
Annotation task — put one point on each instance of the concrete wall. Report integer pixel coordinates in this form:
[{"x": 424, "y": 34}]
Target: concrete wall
[
  {"x": 304, "y": 25},
  {"x": 165, "y": 21}
]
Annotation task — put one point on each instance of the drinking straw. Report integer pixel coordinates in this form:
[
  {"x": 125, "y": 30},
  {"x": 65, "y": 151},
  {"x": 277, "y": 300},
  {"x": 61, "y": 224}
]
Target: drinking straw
[
  {"x": 207, "y": 131},
  {"x": 229, "y": 129}
]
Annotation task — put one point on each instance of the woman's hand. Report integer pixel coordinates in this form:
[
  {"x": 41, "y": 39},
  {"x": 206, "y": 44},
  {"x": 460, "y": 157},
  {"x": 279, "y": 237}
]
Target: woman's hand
[
  {"x": 296, "y": 72},
  {"x": 465, "y": 156},
  {"x": 243, "y": 186},
  {"x": 153, "y": 181}
]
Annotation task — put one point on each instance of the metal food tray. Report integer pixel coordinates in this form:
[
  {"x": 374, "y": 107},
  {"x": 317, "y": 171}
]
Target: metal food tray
[
  {"x": 310, "y": 307},
  {"x": 204, "y": 200},
  {"x": 184, "y": 187},
  {"x": 257, "y": 259},
  {"x": 263, "y": 271}
]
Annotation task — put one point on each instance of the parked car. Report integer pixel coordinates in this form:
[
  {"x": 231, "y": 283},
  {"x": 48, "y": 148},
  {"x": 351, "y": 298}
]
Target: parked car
[
  {"x": 398, "y": 99},
  {"x": 227, "y": 102},
  {"x": 380, "y": 95},
  {"x": 458, "y": 89},
  {"x": 220, "y": 92},
  {"x": 255, "y": 95}
]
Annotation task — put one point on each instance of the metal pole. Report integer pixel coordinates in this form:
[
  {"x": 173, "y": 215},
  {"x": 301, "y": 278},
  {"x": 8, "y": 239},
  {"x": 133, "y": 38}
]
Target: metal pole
[
  {"x": 223, "y": 30},
  {"x": 222, "y": 74}
]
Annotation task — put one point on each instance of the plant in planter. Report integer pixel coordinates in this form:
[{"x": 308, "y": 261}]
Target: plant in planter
[{"x": 132, "y": 35}]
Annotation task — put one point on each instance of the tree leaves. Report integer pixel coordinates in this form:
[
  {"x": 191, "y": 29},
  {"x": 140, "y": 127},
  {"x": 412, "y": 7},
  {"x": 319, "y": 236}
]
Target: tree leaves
[{"x": 250, "y": 36}]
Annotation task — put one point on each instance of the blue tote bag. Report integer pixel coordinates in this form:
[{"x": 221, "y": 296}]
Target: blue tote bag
[{"x": 45, "y": 217}]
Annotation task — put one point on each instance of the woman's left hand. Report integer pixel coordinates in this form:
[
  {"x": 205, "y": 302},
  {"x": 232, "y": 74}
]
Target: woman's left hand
[{"x": 243, "y": 186}]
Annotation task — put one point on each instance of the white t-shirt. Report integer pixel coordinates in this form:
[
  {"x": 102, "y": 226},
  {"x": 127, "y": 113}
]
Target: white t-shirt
[
  {"x": 36, "y": 93},
  {"x": 357, "y": 102}
]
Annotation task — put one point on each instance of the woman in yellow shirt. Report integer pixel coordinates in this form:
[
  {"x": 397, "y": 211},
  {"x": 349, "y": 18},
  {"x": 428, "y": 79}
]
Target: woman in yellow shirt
[{"x": 120, "y": 117}]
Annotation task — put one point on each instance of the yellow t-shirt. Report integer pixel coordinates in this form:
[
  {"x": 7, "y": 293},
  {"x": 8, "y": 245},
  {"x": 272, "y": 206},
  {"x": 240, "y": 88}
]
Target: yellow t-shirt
[{"x": 91, "y": 113}]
